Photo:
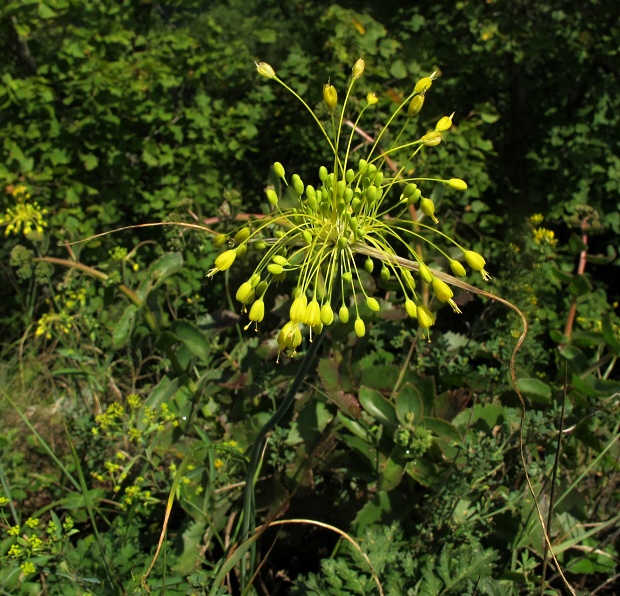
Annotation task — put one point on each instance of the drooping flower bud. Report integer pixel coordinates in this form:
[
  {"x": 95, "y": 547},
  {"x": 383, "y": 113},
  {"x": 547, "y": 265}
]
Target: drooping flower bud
[
  {"x": 223, "y": 261},
  {"x": 369, "y": 265},
  {"x": 457, "y": 268},
  {"x": 442, "y": 290},
  {"x": 265, "y": 70},
  {"x": 477, "y": 263},
  {"x": 330, "y": 97},
  {"x": 241, "y": 250},
  {"x": 425, "y": 273},
  {"x": 257, "y": 313},
  {"x": 444, "y": 123},
  {"x": 385, "y": 273},
  {"x": 444, "y": 293},
  {"x": 244, "y": 291},
  {"x": 343, "y": 314},
  {"x": 411, "y": 308},
  {"x": 358, "y": 68},
  {"x": 431, "y": 139},
  {"x": 371, "y": 99},
  {"x": 360, "y": 328},
  {"x": 372, "y": 304},
  {"x": 298, "y": 311},
  {"x": 327, "y": 314},
  {"x": 457, "y": 184},
  {"x": 409, "y": 279},
  {"x": 313, "y": 313},
  {"x": 415, "y": 105},
  {"x": 280, "y": 260},
  {"x": 428, "y": 208},
  {"x": 425, "y": 317}
]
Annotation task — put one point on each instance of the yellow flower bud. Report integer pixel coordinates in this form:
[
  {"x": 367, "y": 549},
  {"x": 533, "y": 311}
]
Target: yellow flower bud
[
  {"x": 425, "y": 317},
  {"x": 411, "y": 308},
  {"x": 415, "y": 106},
  {"x": 369, "y": 265},
  {"x": 280, "y": 260},
  {"x": 257, "y": 313},
  {"x": 372, "y": 304},
  {"x": 360, "y": 328},
  {"x": 343, "y": 314},
  {"x": 423, "y": 85},
  {"x": 278, "y": 169},
  {"x": 431, "y": 139},
  {"x": 371, "y": 99},
  {"x": 444, "y": 123},
  {"x": 242, "y": 235},
  {"x": 298, "y": 309},
  {"x": 244, "y": 291},
  {"x": 313, "y": 313},
  {"x": 358, "y": 68},
  {"x": 265, "y": 70},
  {"x": 274, "y": 269},
  {"x": 219, "y": 240},
  {"x": 330, "y": 97},
  {"x": 442, "y": 290},
  {"x": 457, "y": 184},
  {"x": 428, "y": 208},
  {"x": 223, "y": 261},
  {"x": 457, "y": 268},
  {"x": 327, "y": 314},
  {"x": 425, "y": 273},
  {"x": 477, "y": 263},
  {"x": 272, "y": 197}
]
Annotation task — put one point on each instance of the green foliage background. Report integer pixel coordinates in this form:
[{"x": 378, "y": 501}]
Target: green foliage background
[{"x": 121, "y": 113}]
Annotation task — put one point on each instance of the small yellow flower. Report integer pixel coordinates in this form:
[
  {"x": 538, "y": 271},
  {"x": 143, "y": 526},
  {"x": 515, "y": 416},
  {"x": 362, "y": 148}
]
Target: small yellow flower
[
  {"x": 32, "y": 522},
  {"x": 218, "y": 463},
  {"x": 28, "y": 568}
]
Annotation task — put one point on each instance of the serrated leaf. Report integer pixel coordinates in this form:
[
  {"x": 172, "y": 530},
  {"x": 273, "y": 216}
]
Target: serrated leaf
[{"x": 378, "y": 407}]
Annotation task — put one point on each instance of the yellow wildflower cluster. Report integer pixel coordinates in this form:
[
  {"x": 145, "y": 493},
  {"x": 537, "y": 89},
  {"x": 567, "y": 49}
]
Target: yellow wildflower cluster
[
  {"x": 60, "y": 320},
  {"x": 25, "y": 215},
  {"x": 356, "y": 211},
  {"x": 544, "y": 236}
]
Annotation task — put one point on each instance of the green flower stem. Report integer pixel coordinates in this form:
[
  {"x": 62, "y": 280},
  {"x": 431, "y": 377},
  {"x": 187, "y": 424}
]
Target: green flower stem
[{"x": 248, "y": 517}]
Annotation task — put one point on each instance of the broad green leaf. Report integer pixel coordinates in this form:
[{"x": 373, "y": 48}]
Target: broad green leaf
[
  {"x": 535, "y": 389},
  {"x": 124, "y": 328},
  {"x": 193, "y": 338},
  {"x": 409, "y": 406},
  {"x": 442, "y": 428},
  {"x": 378, "y": 407}
]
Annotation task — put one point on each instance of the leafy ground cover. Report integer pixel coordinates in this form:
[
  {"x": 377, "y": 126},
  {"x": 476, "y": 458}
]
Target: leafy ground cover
[{"x": 139, "y": 450}]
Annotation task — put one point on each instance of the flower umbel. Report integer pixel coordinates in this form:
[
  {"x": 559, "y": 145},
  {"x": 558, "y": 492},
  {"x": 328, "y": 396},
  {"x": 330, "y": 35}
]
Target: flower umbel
[
  {"x": 25, "y": 215},
  {"x": 358, "y": 212}
]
